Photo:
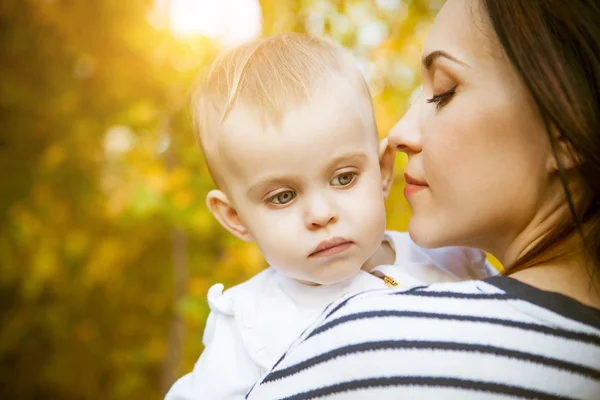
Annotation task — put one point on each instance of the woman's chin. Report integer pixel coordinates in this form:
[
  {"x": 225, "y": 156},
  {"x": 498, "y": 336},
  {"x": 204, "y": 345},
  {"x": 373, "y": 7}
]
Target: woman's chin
[{"x": 426, "y": 235}]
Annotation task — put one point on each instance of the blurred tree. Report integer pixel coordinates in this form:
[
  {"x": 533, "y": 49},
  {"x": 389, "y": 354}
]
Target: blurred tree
[{"x": 106, "y": 248}]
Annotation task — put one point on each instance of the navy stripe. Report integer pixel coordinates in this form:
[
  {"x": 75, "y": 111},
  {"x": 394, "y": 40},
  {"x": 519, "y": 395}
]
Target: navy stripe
[
  {"x": 342, "y": 304},
  {"x": 345, "y": 301},
  {"x": 556, "y": 302},
  {"x": 279, "y": 361},
  {"x": 476, "y": 386},
  {"x": 553, "y": 331},
  {"x": 426, "y": 345},
  {"x": 418, "y": 291},
  {"x": 335, "y": 308},
  {"x": 455, "y": 295}
]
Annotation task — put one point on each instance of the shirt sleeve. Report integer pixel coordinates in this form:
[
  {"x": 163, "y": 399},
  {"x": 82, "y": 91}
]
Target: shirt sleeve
[{"x": 225, "y": 370}]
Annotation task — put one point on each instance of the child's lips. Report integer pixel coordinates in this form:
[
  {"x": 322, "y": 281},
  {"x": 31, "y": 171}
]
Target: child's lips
[{"x": 331, "y": 247}]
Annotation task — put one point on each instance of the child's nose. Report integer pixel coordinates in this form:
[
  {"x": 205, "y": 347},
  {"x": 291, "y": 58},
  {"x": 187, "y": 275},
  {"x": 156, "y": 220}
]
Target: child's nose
[{"x": 320, "y": 213}]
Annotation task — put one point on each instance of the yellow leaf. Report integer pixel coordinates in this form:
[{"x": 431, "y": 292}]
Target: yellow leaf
[
  {"x": 179, "y": 177},
  {"x": 183, "y": 199},
  {"x": 106, "y": 261},
  {"x": 53, "y": 156},
  {"x": 198, "y": 287}
]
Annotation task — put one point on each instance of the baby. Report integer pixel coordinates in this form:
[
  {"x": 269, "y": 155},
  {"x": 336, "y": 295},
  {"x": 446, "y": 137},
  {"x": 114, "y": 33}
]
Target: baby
[{"x": 287, "y": 129}]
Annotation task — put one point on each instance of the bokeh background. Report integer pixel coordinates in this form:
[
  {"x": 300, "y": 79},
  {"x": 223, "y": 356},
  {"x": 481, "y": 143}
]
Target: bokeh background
[{"x": 106, "y": 248}]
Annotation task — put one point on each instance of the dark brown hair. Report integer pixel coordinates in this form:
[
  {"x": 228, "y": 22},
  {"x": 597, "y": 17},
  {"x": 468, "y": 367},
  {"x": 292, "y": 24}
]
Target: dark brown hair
[{"x": 555, "y": 47}]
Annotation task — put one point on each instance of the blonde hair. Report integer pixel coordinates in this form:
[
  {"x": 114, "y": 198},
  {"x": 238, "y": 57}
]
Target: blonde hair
[{"x": 270, "y": 76}]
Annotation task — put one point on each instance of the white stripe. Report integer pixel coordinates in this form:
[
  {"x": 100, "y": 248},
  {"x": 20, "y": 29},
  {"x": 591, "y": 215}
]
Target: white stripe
[
  {"x": 442, "y": 363},
  {"x": 420, "y": 329},
  {"x": 460, "y": 365}
]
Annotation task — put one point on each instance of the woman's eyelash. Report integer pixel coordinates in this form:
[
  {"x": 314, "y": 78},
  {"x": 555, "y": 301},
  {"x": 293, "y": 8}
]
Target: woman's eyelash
[{"x": 442, "y": 99}]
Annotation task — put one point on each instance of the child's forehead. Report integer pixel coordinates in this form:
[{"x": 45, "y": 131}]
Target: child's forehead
[
  {"x": 333, "y": 105},
  {"x": 304, "y": 144},
  {"x": 255, "y": 169},
  {"x": 335, "y": 119},
  {"x": 320, "y": 123}
]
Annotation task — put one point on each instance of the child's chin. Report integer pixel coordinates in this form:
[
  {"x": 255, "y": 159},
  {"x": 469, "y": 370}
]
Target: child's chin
[{"x": 337, "y": 278}]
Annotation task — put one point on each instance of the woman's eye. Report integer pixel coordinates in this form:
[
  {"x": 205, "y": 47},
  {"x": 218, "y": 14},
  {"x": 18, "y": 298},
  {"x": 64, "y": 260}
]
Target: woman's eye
[
  {"x": 282, "y": 197},
  {"x": 343, "y": 179},
  {"x": 442, "y": 99}
]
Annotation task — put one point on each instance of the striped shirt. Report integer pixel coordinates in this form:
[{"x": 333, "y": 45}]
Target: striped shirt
[{"x": 492, "y": 339}]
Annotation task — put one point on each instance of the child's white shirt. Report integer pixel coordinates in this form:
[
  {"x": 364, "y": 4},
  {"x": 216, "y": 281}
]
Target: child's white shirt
[{"x": 252, "y": 324}]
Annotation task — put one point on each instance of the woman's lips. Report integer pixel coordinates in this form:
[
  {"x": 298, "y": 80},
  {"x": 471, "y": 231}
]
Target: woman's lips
[
  {"x": 413, "y": 185},
  {"x": 413, "y": 181},
  {"x": 331, "y": 247}
]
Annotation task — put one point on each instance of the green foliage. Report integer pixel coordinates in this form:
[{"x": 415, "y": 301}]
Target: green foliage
[{"x": 106, "y": 248}]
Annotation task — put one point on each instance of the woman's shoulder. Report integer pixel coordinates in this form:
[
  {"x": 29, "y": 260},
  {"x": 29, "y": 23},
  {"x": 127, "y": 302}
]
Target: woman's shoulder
[
  {"x": 471, "y": 289},
  {"x": 429, "y": 338},
  {"x": 495, "y": 297},
  {"x": 469, "y": 311},
  {"x": 546, "y": 302}
]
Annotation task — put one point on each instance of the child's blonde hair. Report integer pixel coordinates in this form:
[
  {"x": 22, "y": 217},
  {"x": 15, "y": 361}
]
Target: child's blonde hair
[{"x": 270, "y": 76}]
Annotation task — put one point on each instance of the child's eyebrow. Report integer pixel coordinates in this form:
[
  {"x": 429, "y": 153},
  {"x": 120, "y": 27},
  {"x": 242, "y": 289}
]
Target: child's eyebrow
[
  {"x": 269, "y": 180},
  {"x": 357, "y": 157}
]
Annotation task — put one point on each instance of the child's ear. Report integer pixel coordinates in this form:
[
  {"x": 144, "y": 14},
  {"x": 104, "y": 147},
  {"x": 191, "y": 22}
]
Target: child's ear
[
  {"x": 387, "y": 157},
  {"x": 220, "y": 206}
]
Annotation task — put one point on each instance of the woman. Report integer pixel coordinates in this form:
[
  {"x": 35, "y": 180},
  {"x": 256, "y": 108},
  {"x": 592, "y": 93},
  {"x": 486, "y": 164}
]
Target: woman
[{"x": 503, "y": 154}]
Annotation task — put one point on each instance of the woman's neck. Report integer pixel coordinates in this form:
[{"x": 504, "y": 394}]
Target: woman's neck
[{"x": 563, "y": 267}]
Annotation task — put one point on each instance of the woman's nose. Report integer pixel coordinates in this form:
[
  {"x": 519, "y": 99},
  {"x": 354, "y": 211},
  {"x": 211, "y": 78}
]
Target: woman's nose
[{"x": 405, "y": 136}]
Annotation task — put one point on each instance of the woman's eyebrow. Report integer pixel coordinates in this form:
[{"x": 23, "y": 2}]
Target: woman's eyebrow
[{"x": 431, "y": 57}]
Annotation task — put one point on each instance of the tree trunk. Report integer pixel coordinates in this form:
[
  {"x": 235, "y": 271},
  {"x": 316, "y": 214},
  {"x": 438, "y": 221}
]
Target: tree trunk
[{"x": 172, "y": 360}]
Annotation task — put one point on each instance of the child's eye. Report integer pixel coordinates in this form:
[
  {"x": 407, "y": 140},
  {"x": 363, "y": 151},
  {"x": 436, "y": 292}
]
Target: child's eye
[
  {"x": 282, "y": 198},
  {"x": 343, "y": 179}
]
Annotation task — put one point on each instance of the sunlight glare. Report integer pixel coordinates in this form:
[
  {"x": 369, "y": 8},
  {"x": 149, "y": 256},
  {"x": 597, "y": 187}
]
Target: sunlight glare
[{"x": 231, "y": 21}]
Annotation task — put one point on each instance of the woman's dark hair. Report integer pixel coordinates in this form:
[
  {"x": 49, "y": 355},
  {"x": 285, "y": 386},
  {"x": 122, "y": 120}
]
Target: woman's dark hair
[{"x": 555, "y": 47}]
